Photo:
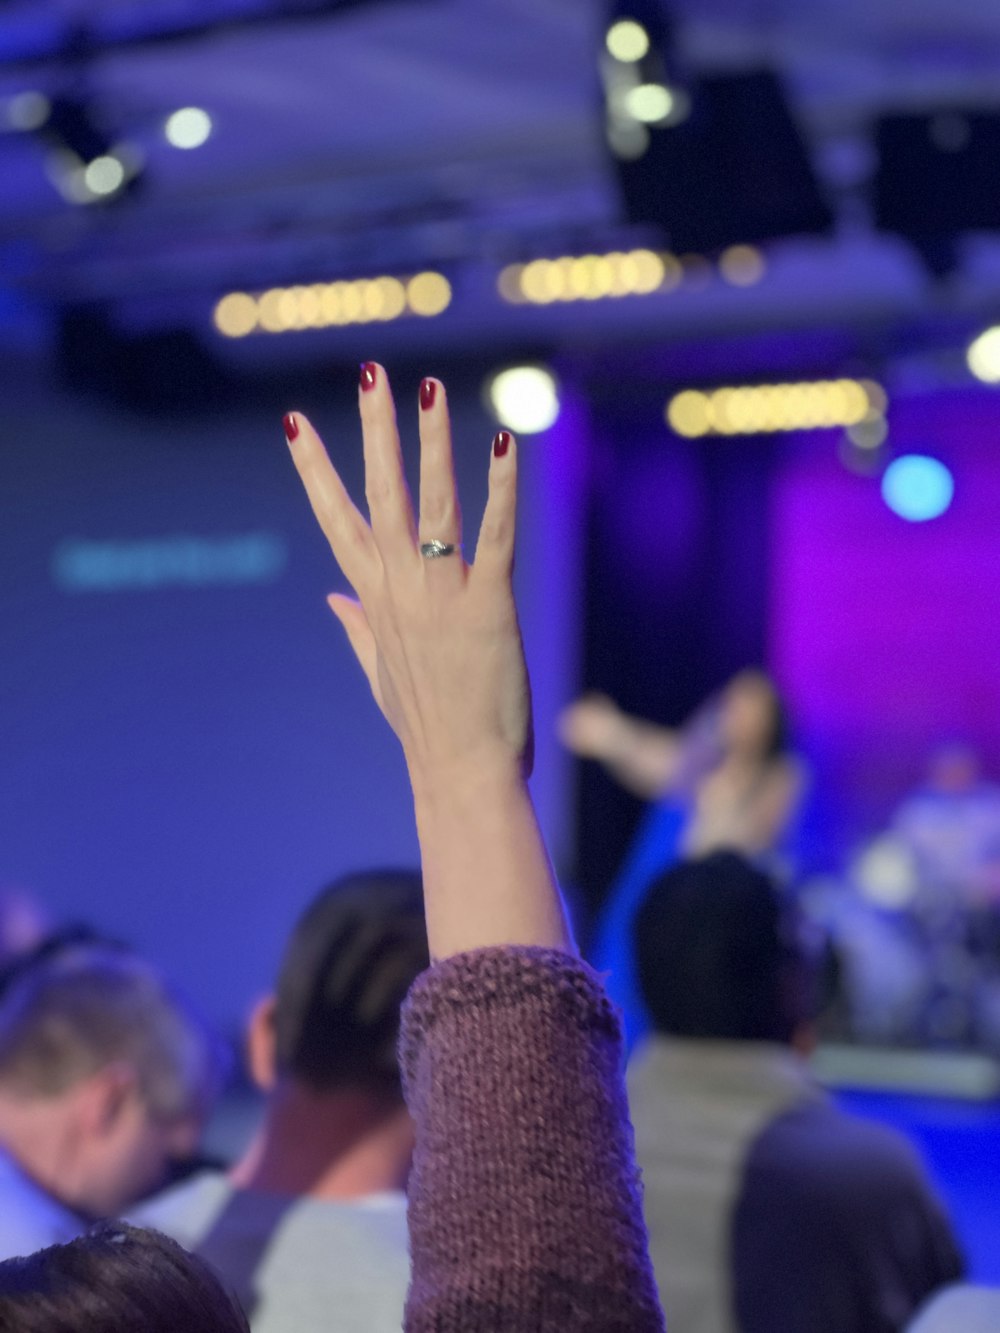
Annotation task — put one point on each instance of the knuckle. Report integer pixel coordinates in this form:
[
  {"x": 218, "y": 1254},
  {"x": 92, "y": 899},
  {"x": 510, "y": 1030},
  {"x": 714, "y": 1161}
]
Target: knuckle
[
  {"x": 497, "y": 529},
  {"x": 378, "y": 489},
  {"x": 438, "y": 508}
]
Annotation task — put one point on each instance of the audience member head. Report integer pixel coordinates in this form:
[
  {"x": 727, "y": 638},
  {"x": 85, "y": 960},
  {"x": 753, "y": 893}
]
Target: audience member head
[
  {"x": 323, "y": 1047},
  {"x": 752, "y": 716},
  {"x": 718, "y": 957},
  {"x": 333, "y": 1022},
  {"x": 116, "y": 1279},
  {"x": 23, "y": 922},
  {"x": 105, "y": 1076}
]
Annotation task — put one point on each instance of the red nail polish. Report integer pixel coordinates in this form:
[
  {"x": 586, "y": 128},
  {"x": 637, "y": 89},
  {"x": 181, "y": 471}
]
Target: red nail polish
[
  {"x": 291, "y": 426},
  {"x": 368, "y": 369},
  {"x": 428, "y": 392},
  {"x": 501, "y": 443}
]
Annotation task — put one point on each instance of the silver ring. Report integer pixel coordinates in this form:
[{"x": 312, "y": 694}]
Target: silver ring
[{"x": 437, "y": 550}]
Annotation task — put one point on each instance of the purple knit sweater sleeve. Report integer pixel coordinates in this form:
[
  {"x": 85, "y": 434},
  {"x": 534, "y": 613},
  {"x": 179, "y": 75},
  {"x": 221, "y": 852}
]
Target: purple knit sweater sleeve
[{"x": 525, "y": 1209}]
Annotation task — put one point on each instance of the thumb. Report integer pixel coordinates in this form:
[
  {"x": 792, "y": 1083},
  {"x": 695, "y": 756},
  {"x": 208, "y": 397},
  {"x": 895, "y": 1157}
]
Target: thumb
[{"x": 352, "y": 616}]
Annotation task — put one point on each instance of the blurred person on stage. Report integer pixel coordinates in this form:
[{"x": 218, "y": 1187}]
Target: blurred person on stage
[
  {"x": 769, "y": 1210},
  {"x": 312, "y": 1219},
  {"x": 951, "y": 826},
  {"x": 727, "y": 779},
  {"x": 106, "y": 1077},
  {"x": 730, "y": 765}
]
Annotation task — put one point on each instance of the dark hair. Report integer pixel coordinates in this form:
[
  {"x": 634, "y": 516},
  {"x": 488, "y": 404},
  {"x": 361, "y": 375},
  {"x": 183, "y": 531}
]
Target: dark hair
[
  {"x": 351, "y": 958},
  {"x": 778, "y": 741},
  {"x": 717, "y": 953},
  {"x": 116, "y": 1279}
]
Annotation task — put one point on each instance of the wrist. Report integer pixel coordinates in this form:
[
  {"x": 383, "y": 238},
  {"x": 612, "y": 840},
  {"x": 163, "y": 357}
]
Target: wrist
[{"x": 456, "y": 782}]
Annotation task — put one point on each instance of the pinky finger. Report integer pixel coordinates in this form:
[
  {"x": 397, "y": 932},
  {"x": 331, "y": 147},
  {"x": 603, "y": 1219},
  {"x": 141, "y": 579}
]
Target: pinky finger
[{"x": 495, "y": 551}]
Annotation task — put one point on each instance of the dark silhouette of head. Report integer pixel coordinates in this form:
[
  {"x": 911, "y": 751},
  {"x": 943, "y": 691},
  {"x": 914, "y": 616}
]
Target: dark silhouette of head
[
  {"x": 718, "y": 956},
  {"x": 115, "y": 1279},
  {"x": 348, "y": 965}
]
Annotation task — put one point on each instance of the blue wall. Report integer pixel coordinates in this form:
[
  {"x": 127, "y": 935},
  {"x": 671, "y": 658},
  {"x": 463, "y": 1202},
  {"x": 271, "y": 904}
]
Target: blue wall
[{"x": 186, "y": 760}]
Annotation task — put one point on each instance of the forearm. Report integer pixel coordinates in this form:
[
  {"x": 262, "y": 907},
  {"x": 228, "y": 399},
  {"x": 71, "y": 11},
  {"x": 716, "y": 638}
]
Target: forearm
[
  {"x": 525, "y": 1210},
  {"x": 487, "y": 875},
  {"x": 642, "y": 757}
]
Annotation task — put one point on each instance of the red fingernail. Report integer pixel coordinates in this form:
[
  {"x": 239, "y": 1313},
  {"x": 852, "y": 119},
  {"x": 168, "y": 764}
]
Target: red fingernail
[
  {"x": 368, "y": 369},
  {"x": 428, "y": 390},
  {"x": 291, "y": 426},
  {"x": 501, "y": 443}
]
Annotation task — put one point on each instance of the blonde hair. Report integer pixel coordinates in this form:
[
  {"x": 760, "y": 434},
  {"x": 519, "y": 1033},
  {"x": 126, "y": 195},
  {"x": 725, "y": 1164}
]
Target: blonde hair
[{"x": 68, "y": 1016}]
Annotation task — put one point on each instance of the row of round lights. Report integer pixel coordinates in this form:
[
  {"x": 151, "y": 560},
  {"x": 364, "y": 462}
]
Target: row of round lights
[
  {"x": 915, "y": 487},
  {"x": 622, "y": 273},
  {"x": 768, "y": 409},
  {"x": 327, "y": 304}
]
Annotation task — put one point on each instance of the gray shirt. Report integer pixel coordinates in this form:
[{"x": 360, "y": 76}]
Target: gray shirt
[
  {"x": 30, "y": 1219},
  {"x": 299, "y": 1265},
  {"x": 769, "y": 1209},
  {"x": 960, "y": 1310}
]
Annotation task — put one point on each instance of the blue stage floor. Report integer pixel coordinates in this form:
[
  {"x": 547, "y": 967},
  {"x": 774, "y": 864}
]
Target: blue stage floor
[{"x": 960, "y": 1142}]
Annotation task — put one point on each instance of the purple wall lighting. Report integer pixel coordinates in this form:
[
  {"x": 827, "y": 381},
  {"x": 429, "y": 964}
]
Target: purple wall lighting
[{"x": 883, "y": 631}]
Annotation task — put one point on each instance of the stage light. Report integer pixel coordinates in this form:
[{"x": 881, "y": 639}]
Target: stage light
[
  {"x": 650, "y": 103},
  {"x": 236, "y": 315},
  {"x": 428, "y": 294},
  {"x": 627, "y": 41},
  {"x": 525, "y": 398},
  {"x": 742, "y": 265},
  {"x": 983, "y": 356},
  {"x": 27, "y": 111},
  {"x": 870, "y": 434},
  {"x": 769, "y": 409},
  {"x": 189, "y": 127},
  {"x": 322, "y": 305},
  {"x": 105, "y": 175},
  {"x": 917, "y": 488},
  {"x": 589, "y": 277}
]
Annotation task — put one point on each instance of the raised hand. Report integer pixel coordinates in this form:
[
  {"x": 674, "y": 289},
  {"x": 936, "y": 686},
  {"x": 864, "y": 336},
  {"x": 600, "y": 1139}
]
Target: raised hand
[{"x": 439, "y": 641}]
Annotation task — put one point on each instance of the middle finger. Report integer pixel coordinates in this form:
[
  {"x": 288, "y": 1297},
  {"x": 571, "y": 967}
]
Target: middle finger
[{"x": 389, "y": 503}]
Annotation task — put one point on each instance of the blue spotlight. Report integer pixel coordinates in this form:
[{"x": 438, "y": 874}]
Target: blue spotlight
[{"x": 917, "y": 488}]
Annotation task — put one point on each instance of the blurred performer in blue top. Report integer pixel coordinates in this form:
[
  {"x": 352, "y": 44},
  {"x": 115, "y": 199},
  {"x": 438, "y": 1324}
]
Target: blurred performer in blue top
[{"x": 726, "y": 780}]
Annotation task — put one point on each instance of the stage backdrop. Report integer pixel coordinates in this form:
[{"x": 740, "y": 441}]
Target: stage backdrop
[
  {"x": 188, "y": 748},
  {"x": 885, "y": 633}
]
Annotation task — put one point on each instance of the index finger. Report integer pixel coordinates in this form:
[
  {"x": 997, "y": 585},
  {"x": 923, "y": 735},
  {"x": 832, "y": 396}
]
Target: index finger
[{"x": 345, "y": 529}]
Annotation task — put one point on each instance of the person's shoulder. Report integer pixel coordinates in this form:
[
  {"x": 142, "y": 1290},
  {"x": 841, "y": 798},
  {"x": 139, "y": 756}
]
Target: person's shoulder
[
  {"x": 29, "y": 1219},
  {"x": 960, "y": 1309},
  {"x": 816, "y": 1149},
  {"x": 187, "y": 1209}
]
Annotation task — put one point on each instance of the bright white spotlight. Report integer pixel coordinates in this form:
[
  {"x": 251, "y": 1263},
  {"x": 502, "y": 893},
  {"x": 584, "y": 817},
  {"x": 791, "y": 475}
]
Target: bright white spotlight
[
  {"x": 983, "y": 356},
  {"x": 525, "y": 398},
  {"x": 188, "y": 128},
  {"x": 649, "y": 102},
  {"x": 917, "y": 488},
  {"x": 105, "y": 175},
  {"x": 628, "y": 41}
]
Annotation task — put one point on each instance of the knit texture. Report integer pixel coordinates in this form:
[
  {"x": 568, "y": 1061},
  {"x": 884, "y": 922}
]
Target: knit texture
[{"x": 525, "y": 1209}]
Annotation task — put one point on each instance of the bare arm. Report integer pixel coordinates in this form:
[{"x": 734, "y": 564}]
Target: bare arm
[
  {"x": 511, "y": 1054},
  {"x": 642, "y": 756}
]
